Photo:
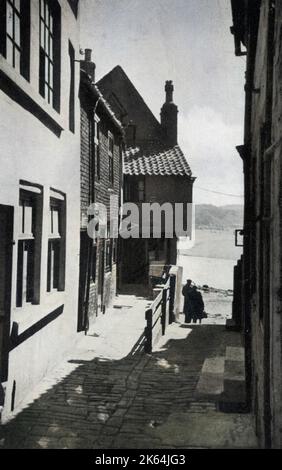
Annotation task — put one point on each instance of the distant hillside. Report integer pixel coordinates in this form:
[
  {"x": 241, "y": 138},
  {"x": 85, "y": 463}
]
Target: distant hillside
[{"x": 208, "y": 216}]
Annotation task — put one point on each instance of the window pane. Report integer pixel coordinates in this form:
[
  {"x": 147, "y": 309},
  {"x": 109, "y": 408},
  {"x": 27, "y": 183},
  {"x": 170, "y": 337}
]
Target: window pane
[
  {"x": 46, "y": 69},
  {"x": 21, "y": 219},
  {"x": 46, "y": 93},
  {"x": 29, "y": 247},
  {"x": 46, "y": 39},
  {"x": 51, "y": 23},
  {"x": 51, "y": 48},
  {"x": 51, "y": 76},
  {"x": 17, "y": 4},
  {"x": 53, "y": 267},
  {"x": 17, "y": 60},
  {"x": 55, "y": 214},
  {"x": 42, "y": 8},
  {"x": 56, "y": 273},
  {"x": 9, "y": 20},
  {"x": 47, "y": 61},
  {"x": 28, "y": 220},
  {"x": 24, "y": 279},
  {"x": 42, "y": 27},
  {"x": 17, "y": 30},
  {"x": 46, "y": 12},
  {"x": 111, "y": 145},
  {"x": 9, "y": 52},
  {"x": 50, "y": 222},
  {"x": 51, "y": 97}
]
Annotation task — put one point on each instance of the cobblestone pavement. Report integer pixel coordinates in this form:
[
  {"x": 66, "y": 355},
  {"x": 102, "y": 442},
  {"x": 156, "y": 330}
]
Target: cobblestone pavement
[{"x": 133, "y": 401}]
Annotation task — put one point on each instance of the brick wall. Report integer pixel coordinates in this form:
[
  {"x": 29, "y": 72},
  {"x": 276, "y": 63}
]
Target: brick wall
[
  {"x": 103, "y": 187},
  {"x": 84, "y": 164},
  {"x": 103, "y": 191}
]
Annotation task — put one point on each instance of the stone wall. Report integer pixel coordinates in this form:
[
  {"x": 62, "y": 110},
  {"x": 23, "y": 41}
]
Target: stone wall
[{"x": 262, "y": 267}]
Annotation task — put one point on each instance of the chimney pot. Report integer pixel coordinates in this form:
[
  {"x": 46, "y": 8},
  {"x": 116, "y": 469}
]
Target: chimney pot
[
  {"x": 169, "y": 88},
  {"x": 87, "y": 65},
  {"x": 87, "y": 55},
  {"x": 169, "y": 113}
]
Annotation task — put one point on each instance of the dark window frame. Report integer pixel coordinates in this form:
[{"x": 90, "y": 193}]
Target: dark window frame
[
  {"x": 72, "y": 89},
  {"x": 141, "y": 190},
  {"x": 22, "y": 45},
  {"x": 29, "y": 250},
  {"x": 97, "y": 151},
  {"x": 114, "y": 249},
  {"x": 93, "y": 270},
  {"x": 57, "y": 247},
  {"x": 132, "y": 190},
  {"x": 50, "y": 52},
  {"x": 108, "y": 254},
  {"x": 108, "y": 250},
  {"x": 111, "y": 146}
]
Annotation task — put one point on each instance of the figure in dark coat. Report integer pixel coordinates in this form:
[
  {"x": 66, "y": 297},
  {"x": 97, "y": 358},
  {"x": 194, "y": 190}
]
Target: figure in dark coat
[
  {"x": 187, "y": 292},
  {"x": 193, "y": 303},
  {"x": 198, "y": 305}
]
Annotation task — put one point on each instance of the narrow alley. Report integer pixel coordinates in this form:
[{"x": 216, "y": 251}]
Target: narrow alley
[
  {"x": 140, "y": 225},
  {"x": 109, "y": 394}
]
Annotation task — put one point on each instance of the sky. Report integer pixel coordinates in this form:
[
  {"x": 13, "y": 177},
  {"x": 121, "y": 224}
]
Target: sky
[{"x": 189, "y": 42}]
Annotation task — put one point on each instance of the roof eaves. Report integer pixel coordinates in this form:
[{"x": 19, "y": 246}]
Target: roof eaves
[{"x": 97, "y": 95}]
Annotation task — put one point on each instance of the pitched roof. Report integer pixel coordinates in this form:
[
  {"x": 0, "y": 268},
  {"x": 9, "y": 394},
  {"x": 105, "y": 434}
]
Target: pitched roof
[
  {"x": 129, "y": 105},
  {"x": 165, "y": 162},
  {"x": 85, "y": 80}
]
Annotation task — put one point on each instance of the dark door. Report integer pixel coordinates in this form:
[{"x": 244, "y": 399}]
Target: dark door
[
  {"x": 101, "y": 276},
  {"x": 134, "y": 261},
  {"x": 83, "y": 296},
  {"x": 6, "y": 252}
]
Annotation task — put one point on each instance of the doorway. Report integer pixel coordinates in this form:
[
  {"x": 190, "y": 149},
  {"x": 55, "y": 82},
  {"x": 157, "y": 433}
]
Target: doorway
[{"x": 101, "y": 275}]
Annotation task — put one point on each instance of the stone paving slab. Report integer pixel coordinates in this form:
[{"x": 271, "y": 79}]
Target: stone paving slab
[
  {"x": 211, "y": 429},
  {"x": 235, "y": 354}
]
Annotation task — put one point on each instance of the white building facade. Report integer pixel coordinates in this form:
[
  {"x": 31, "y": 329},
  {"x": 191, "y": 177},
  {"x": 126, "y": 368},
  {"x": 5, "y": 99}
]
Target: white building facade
[{"x": 39, "y": 190}]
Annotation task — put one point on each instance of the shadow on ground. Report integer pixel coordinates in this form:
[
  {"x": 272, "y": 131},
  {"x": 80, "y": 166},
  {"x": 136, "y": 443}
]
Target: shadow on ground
[{"x": 140, "y": 401}]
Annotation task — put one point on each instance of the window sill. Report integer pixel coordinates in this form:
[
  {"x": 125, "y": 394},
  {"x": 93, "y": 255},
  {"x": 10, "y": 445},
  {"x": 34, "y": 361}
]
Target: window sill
[
  {"x": 27, "y": 237},
  {"x": 21, "y": 91},
  {"x": 30, "y": 314}
]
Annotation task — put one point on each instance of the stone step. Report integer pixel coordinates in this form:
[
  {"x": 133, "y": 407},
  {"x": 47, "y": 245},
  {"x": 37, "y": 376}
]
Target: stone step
[
  {"x": 211, "y": 378},
  {"x": 233, "y": 398},
  {"x": 235, "y": 353}
]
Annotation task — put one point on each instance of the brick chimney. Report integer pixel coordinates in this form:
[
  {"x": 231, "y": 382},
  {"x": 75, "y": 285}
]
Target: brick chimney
[
  {"x": 87, "y": 66},
  {"x": 169, "y": 113}
]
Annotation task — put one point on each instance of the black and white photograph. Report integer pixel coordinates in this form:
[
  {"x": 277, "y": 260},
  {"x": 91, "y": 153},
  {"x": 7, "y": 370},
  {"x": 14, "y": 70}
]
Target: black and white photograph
[{"x": 140, "y": 228}]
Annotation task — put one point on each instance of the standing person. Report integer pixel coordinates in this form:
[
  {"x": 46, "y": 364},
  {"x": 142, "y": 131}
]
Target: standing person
[
  {"x": 197, "y": 305},
  {"x": 188, "y": 307}
]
